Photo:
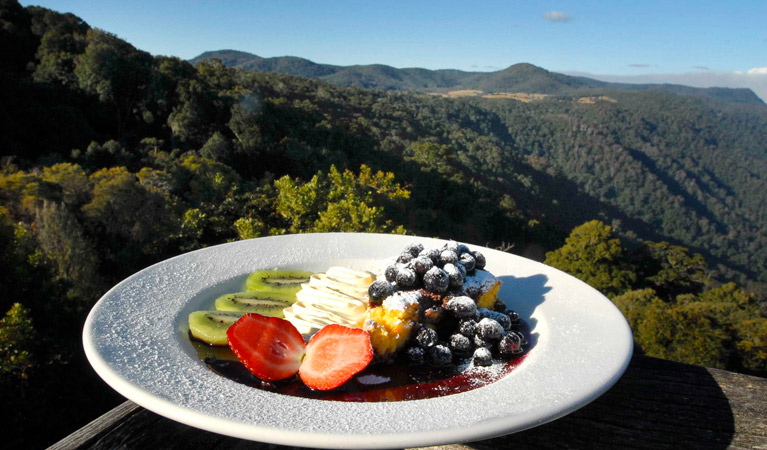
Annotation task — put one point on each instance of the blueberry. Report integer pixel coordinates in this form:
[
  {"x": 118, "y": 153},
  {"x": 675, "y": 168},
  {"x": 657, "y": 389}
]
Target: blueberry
[
  {"x": 467, "y": 327},
  {"x": 514, "y": 317},
  {"x": 440, "y": 356},
  {"x": 451, "y": 245},
  {"x": 479, "y": 342},
  {"x": 489, "y": 329},
  {"x": 480, "y": 259},
  {"x": 462, "y": 307},
  {"x": 447, "y": 257},
  {"x": 521, "y": 336},
  {"x": 415, "y": 355},
  {"x": 499, "y": 305},
  {"x": 501, "y": 318},
  {"x": 455, "y": 275},
  {"x": 436, "y": 280},
  {"x": 422, "y": 264},
  {"x": 391, "y": 272},
  {"x": 426, "y": 338},
  {"x": 431, "y": 253},
  {"x": 414, "y": 249},
  {"x": 472, "y": 290},
  {"x": 510, "y": 345},
  {"x": 463, "y": 248},
  {"x": 378, "y": 291},
  {"x": 407, "y": 278},
  {"x": 404, "y": 257},
  {"x": 482, "y": 357},
  {"x": 468, "y": 262},
  {"x": 462, "y": 269},
  {"x": 460, "y": 344}
]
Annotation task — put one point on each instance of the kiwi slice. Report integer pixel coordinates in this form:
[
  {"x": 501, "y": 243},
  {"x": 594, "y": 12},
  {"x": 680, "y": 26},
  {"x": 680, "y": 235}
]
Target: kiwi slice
[
  {"x": 210, "y": 326},
  {"x": 264, "y": 303},
  {"x": 277, "y": 281}
]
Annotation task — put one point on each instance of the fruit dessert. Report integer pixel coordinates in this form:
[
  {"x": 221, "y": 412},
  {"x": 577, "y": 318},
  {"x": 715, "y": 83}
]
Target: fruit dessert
[
  {"x": 337, "y": 296},
  {"x": 427, "y": 326}
]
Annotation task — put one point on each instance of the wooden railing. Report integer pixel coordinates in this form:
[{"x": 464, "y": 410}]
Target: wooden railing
[{"x": 657, "y": 404}]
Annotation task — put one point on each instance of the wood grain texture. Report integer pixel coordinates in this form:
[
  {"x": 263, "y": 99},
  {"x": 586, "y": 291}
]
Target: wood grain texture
[{"x": 657, "y": 404}]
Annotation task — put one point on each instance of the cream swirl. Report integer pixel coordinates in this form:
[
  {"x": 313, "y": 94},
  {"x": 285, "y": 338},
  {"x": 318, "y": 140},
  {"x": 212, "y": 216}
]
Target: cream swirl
[{"x": 337, "y": 296}]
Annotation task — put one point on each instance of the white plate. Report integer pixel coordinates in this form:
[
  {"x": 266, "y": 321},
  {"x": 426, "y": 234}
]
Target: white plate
[{"x": 136, "y": 339}]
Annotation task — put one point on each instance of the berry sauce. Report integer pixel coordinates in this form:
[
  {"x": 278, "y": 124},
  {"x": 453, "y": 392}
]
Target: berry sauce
[{"x": 377, "y": 383}]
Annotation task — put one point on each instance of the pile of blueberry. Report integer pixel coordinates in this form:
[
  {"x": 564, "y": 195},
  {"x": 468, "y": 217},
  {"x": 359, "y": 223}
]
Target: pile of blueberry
[
  {"x": 434, "y": 270},
  {"x": 463, "y": 332},
  {"x": 451, "y": 329}
]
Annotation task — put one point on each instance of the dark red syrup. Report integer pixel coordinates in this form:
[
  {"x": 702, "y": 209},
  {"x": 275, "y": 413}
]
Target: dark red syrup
[{"x": 397, "y": 381}]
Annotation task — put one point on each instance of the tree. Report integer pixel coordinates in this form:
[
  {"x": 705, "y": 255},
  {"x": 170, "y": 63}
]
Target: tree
[
  {"x": 593, "y": 254},
  {"x": 670, "y": 270},
  {"x": 208, "y": 181},
  {"x": 16, "y": 43},
  {"x": 62, "y": 239},
  {"x": 633, "y": 305},
  {"x": 684, "y": 332},
  {"x": 75, "y": 186},
  {"x": 116, "y": 72},
  {"x": 752, "y": 344},
  {"x": 129, "y": 220},
  {"x": 17, "y": 342},
  {"x": 433, "y": 156},
  {"x": 339, "y": 201},
  {"x": 62, "y": 39},
  {"x": 244, "y": 122},
  {"x": 195, "y": 118}
]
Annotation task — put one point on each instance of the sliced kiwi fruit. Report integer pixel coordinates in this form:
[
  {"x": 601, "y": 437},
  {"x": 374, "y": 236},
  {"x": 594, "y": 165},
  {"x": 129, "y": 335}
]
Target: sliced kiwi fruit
[
  {"x": 210, "y": 326},
  {"x": 264, "y": 303},
  {"x": 277, "y": 281}
]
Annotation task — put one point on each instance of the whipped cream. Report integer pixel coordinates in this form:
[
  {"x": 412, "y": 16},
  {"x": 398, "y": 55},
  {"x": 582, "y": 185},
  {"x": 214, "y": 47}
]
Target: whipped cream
[{"x": 337, "y": 296}]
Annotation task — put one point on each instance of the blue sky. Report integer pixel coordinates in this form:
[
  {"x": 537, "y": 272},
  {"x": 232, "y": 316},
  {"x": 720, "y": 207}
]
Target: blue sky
[{"x": 699, "y": 43}]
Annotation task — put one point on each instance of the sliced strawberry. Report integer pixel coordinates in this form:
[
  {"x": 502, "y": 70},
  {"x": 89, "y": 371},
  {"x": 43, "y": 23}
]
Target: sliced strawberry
[
  {"x": 271, "y": 348},
  {"x": 334, "y": 355}
]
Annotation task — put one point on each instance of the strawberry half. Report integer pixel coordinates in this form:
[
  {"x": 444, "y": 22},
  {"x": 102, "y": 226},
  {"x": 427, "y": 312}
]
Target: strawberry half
[
  {"x": 271, "y": 348},
  {"x": 334, "y": 355}
]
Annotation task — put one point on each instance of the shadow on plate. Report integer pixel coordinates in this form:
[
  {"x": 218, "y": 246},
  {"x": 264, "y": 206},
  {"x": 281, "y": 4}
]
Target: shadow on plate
[{"x": 523, "y": 295}]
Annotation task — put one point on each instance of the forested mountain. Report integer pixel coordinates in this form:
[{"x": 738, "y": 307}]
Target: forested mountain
[
  {"x": 114, "y": 159},
  {"x": 524, "y": 78}
]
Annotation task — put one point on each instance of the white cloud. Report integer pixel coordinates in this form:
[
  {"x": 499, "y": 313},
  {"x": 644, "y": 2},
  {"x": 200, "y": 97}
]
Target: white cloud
[
  {"x": 557, "y": 16},
  {"x": 754, "y": 79}
]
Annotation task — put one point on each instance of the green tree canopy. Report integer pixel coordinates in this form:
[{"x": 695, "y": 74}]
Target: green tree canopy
[
  {"x": 116, "y": 72},
  {"x": 339, "y": 201},
  {"x": 593, "y": 254},
  {"x": 670, "y": 269},
  {"x": 62, "y": 39},
  {"x": 17, "y": 342}
]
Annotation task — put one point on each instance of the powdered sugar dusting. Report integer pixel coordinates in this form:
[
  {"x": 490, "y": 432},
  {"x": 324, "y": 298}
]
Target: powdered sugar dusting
[
  {"x": 481, "y": 280},
  {"x": 401, "y": 300}
]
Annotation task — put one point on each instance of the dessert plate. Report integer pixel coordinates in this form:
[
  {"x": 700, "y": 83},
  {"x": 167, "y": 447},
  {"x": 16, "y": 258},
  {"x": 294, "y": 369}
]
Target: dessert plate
[{"x": 136, "y": 340}]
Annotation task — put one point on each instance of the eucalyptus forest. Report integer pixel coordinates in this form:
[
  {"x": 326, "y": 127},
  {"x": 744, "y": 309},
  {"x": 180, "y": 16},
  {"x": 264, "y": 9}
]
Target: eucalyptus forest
[{"x": 114, "y": 159}]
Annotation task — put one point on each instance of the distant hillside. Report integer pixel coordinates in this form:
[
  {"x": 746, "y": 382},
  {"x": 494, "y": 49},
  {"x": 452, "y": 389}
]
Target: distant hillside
[{"x": 521, "y": 77}]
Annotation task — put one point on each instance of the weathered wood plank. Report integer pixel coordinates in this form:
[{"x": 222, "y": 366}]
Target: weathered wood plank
[
  {"x": 96, "y": 427},
  {"x": 657, "y": 404}
]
